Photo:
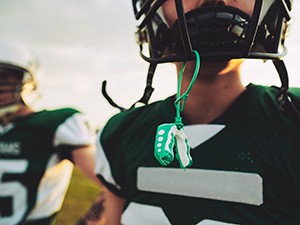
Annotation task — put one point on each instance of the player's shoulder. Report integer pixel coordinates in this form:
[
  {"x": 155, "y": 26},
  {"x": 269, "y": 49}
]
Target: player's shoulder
[
  {"x": 295, "y": 93},
  {"x": 51, "y": 118},
  {"x": 272, "y": 93},
  {"x": 61, "y": 111},
  {"x": 267, "y": 107},
  {"x": 263, "y": 93},
  {"x": 132, "y": 116},
  {"x": 274, "y": 90},
  {"x": 56, "y": 114},
  {"x": 133, "y": 119}
]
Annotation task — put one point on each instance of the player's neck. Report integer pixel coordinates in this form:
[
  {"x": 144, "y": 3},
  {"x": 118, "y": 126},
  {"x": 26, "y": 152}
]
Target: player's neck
[
  {"x": 211, "y": 96},
  {"x": 20, "y": 112}
]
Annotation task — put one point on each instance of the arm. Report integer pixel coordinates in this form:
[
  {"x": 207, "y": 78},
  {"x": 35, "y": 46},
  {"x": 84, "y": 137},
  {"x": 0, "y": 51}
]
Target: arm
[
  {"x": 113, "y": 207},
  {"x": 107, "y": 207},
  {"x": 105, "y": 210},
  {"x": 84, "y": 159},
  {"x": 75, "y": 133}
]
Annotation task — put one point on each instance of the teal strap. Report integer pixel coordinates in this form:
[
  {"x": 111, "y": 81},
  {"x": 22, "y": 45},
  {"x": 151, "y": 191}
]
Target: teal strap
[
  {"x": 183, "y": 98},
  {"x": 171, "y": 136}
]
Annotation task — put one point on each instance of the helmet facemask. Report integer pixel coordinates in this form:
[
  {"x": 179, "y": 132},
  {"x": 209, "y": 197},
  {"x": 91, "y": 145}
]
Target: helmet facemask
[
  {"x": 16, "y": 85},
  {"x": 218, "y": 33},
  {"x": 213, "y": 30},
  {"x": 10, "y": 90}
]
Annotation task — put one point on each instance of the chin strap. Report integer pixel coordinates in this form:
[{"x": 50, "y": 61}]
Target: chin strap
[
  {"x": 147, "y": 92},
  {"x": 285, "y": 102},
  {"x": 148, "y": 89},
  {"x": 110, "y": 101}
]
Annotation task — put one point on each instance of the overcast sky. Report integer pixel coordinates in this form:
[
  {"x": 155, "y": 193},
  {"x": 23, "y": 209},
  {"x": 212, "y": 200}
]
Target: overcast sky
[{"x": 81, "y": 43}]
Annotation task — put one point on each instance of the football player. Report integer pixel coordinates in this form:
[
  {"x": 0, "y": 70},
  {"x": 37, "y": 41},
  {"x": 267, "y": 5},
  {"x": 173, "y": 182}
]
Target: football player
[
  {"x": 218, "y": 152},
  {"x": 36, "y": 148}
]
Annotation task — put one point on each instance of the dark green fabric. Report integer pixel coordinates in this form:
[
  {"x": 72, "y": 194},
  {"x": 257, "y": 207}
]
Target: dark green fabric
[
  {"x": 258, "y": 138},
  {"x": 45, "y": 221}
]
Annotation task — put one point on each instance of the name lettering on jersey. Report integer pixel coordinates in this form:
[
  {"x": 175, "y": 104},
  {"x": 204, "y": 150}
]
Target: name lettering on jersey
[
  {"x": 210, "y": 184},
  {"x": 10, "y": 148}
]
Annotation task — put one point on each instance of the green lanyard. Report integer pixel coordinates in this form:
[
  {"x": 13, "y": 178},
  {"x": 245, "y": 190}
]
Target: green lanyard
[
  {"x": 171, "y": 136},
  {"x": 185, "y": 95}
]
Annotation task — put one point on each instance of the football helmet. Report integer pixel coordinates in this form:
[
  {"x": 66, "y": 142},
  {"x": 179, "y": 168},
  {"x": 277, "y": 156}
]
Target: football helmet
[
  {"x": 17, "y": 60},
  {"x": 217, "y": 32}
]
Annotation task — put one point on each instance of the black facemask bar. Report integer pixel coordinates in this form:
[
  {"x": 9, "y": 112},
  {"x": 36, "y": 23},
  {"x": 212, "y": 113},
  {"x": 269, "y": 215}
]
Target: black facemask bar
[{"x": 12, "y": 87}]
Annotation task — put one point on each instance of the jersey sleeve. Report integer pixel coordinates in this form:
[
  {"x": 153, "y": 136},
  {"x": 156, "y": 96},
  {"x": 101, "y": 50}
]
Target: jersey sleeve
[
  {"x": 109, "y": 157},
  {"x": 73, "y": 131},
  {"x": 117, "y": 146},
  {"x": 103, "y": 169}
]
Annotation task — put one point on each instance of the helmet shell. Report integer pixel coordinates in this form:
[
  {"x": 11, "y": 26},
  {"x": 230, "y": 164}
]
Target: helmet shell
[{"x": 16, "y": 56}]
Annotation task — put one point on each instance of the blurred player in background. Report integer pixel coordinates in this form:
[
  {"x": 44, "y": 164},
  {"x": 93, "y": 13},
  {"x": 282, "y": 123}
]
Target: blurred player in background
[{"x": 36, "y": 148}]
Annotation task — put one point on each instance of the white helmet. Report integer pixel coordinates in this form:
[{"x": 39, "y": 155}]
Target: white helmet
[{"x": 15, "y": 56}]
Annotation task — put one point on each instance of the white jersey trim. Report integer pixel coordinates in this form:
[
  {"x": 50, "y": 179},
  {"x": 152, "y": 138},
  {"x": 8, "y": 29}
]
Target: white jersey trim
[
  {"x": 52, "y": 188},
  {"x": 200, "y": 133},
  {"x": 102, "y": 166},
  {"x": 73, "y": 131}
]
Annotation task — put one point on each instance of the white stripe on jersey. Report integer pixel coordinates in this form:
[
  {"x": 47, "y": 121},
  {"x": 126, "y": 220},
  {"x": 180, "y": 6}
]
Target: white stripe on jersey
[
  {"x": 137, "y": 214},
  {"x": 211, "y": 184}
]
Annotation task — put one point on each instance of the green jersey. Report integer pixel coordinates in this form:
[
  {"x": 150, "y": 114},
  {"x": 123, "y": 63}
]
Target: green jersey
[
  {"x": 246, "y": 165},
  {"x": 33, "y": 173}
]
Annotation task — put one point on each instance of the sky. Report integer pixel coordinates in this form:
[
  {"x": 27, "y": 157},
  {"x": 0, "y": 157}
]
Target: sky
[{"x": 82, "y": 43}]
